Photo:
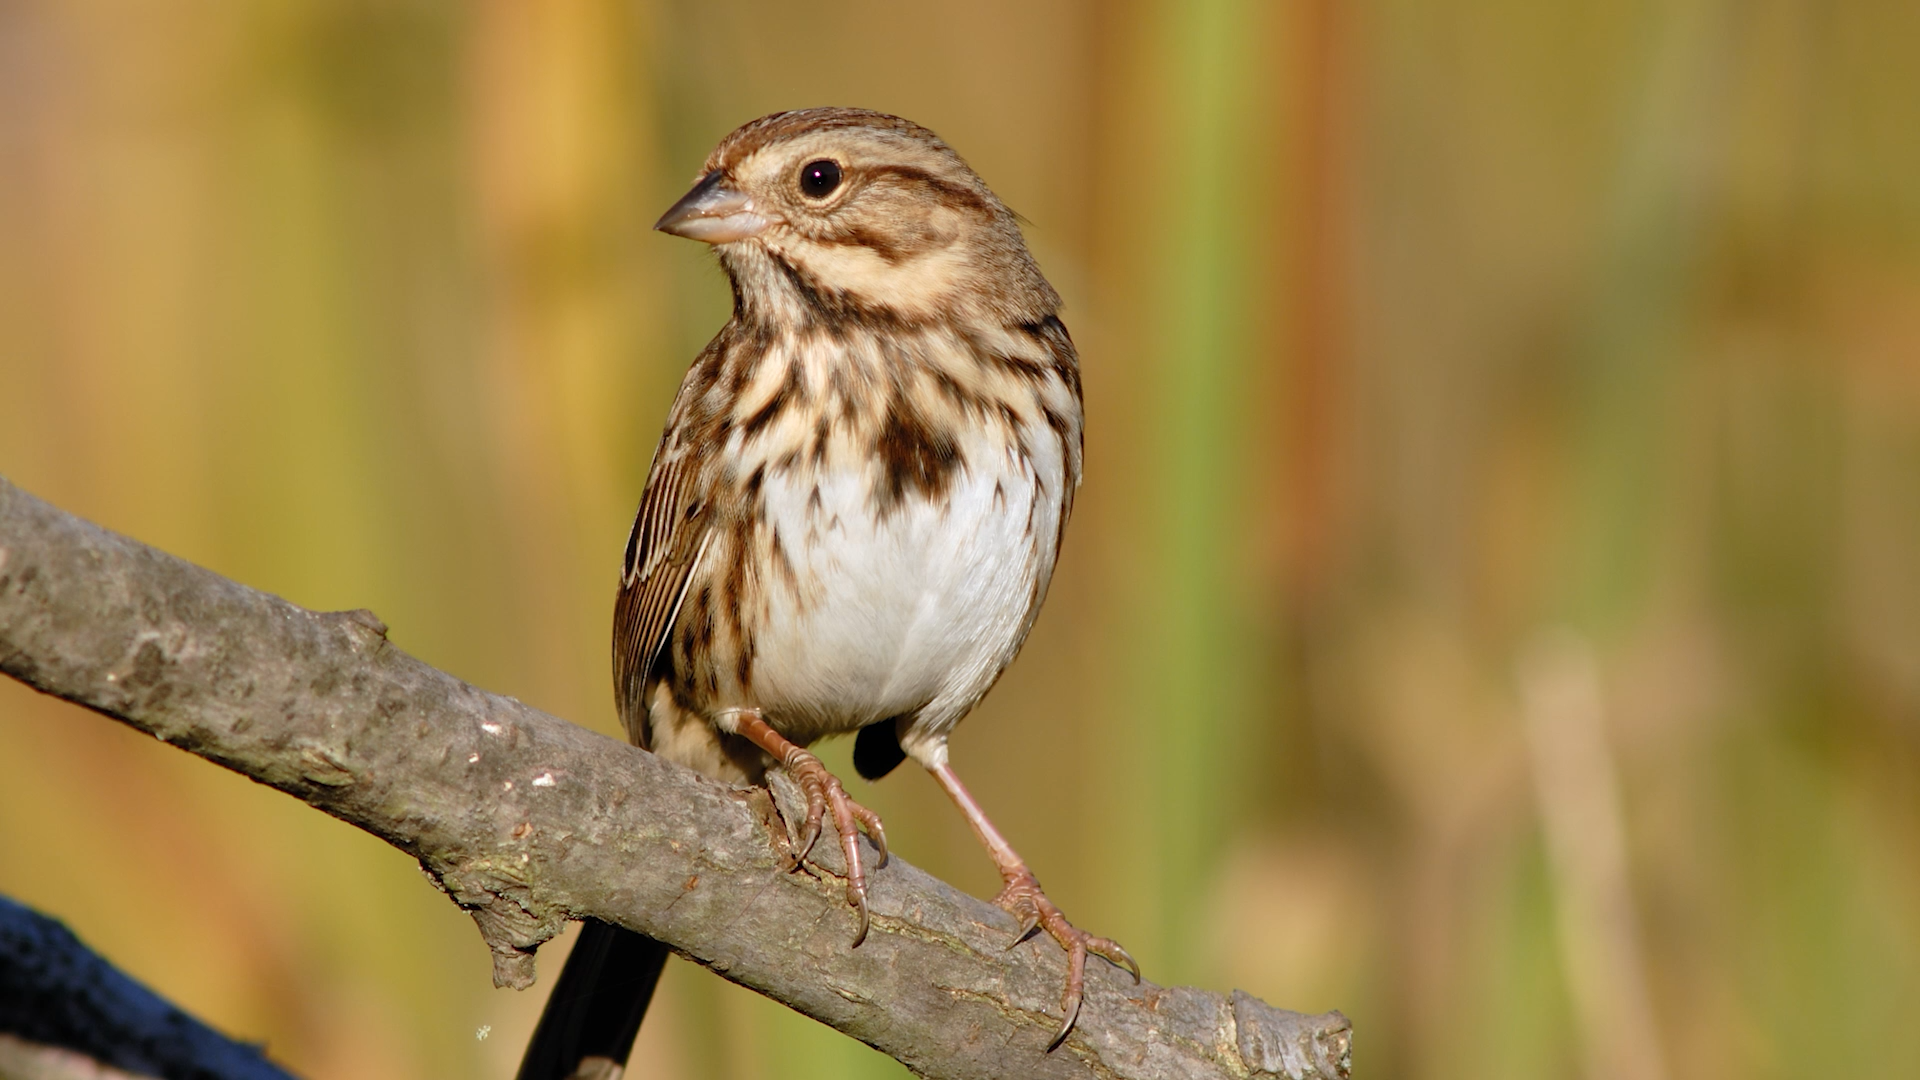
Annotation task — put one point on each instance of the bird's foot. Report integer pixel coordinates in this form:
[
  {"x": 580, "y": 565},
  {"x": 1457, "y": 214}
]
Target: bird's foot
[
  {"x": 824, "y": 793},
  {"x": 1022, "y": 896}
]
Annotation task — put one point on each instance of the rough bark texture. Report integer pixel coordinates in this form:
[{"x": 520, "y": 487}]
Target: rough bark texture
[{"x": 527, "y": 821}]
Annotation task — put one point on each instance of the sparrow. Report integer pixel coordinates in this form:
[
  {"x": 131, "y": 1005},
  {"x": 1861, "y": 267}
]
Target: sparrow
[{"x": 853, "y": 514}]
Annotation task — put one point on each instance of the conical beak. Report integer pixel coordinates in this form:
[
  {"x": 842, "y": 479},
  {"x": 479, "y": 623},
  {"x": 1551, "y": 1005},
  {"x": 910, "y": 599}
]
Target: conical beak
[{"x": 714, "y": 213}]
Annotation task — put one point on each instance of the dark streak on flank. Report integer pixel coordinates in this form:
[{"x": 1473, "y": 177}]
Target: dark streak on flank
[
  {"x": 1051, "y": 334},
  {"x": 1070, "y": 374},
  {"x": 743, "y": 670},
  {"x": 1061, "y": 428},
  {"x": 703, "y": 620},
  {"x": 696, "y": 629},
  {"x": 733, "y": 587},
  {"x": 1022, "y": 450},
  {"x": 733, "y": 595}
]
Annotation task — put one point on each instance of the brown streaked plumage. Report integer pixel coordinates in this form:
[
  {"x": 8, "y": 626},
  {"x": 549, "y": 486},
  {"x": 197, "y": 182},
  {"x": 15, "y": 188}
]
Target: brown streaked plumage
[{"x": 853, "y": 514}]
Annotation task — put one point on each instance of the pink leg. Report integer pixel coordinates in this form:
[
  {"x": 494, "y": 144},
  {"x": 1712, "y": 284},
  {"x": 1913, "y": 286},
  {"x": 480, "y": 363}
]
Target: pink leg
[
  {"x": 823, "y": 793},
  {"x": 1021, "y": 895}
]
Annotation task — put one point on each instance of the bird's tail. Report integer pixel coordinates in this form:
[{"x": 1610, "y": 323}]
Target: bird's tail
[{"x": 587, "y": 1028}]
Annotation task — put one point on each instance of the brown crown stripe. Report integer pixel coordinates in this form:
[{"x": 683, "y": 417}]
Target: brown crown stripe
[{"x": 767, "y": 130}]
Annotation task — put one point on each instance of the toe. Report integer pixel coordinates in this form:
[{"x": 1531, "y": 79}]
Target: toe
[
  {"x": 1070, "y": 1001},
  {"x": 1110, "y": 951},
  {"x": 826, "y": 796},
  {"x": 875, "y": 830},
  {"x": 1023, "y": 897}
]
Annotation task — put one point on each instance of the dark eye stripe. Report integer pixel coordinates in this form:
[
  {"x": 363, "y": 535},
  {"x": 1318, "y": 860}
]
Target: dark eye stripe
[{"x": 949, "y": 191}]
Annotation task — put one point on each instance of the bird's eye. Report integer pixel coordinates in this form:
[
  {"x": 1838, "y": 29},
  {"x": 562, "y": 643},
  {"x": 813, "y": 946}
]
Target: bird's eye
[{"x": 819, "y": 178}]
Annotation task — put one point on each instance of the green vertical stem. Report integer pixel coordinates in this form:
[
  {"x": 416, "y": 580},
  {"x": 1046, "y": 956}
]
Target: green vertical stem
[
  {"x": 1630, "y": 355},
  {"x": 1197, "y": 710},
  {"x": 1630, "y": 350}
]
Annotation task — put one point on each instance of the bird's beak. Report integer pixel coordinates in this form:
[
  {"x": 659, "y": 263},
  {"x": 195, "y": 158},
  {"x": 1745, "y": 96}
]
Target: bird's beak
[{"x": 714, "y": 213}]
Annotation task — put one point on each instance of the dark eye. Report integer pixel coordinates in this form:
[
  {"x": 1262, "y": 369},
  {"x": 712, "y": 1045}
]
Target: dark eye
[{"x": 819, "y": 178}]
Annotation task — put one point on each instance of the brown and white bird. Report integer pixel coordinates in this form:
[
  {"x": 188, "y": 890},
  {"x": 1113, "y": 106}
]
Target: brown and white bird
[{"x": 854, "y": 512}]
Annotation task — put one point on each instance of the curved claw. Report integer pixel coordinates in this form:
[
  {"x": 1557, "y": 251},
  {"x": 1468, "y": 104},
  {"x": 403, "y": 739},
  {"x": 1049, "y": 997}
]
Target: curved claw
[
  {"x": 807, "y": 840},
  {"x": 1109, "y": 950},
  {"x": 1066, "y": 1026},
  {"x": 859, "y": 901},
  {"x": 1027, "y": 926}
]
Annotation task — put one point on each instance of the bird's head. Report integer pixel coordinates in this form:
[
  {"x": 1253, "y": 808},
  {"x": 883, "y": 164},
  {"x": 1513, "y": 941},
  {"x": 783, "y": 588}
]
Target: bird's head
[{"x": 851, "y": 214}]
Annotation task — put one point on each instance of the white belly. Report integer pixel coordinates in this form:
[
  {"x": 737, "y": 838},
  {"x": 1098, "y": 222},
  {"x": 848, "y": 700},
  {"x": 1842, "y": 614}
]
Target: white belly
[{"x": 918, "y": 612}]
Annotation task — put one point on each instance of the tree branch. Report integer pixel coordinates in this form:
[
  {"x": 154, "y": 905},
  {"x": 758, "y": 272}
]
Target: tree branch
[{"x": 527, "y": 821}]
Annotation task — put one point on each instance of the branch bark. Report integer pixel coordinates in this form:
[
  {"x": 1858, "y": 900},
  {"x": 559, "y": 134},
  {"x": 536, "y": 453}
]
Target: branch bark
[{"x": 526, "y": 821}]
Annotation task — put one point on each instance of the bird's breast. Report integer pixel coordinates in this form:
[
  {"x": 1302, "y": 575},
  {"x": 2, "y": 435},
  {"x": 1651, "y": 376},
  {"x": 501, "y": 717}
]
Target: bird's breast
[{"x": 900, "y": 581}]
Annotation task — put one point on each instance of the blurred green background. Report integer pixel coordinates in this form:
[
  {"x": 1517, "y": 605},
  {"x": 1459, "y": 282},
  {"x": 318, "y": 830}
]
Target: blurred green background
[{"x": 1493, "y": 608}]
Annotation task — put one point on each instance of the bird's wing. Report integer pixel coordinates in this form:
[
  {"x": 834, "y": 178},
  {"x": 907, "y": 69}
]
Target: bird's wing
[{"x": 669, "y": 534}]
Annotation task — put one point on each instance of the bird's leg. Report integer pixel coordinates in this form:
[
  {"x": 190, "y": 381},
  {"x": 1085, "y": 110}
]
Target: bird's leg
[
  {"x": 1021, "y": 895},
  {"x": 824, "y": 794}
]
